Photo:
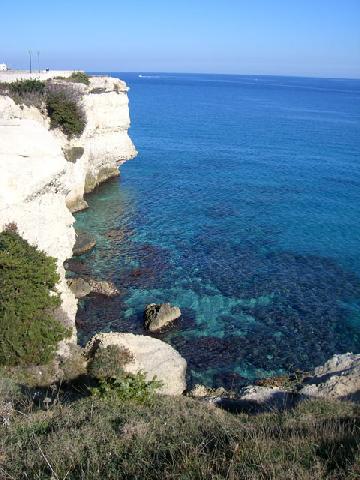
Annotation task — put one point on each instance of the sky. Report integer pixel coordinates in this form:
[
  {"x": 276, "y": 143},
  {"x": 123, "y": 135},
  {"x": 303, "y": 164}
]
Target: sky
[{"x": 270, "y": 37}]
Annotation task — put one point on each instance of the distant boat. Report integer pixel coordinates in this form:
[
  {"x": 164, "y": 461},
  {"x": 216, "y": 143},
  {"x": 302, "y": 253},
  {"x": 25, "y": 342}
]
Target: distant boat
[{"x": 149, "y": 76}]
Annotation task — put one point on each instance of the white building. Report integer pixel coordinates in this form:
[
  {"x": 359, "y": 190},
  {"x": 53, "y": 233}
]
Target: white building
[{"x": 3, "y": 67}]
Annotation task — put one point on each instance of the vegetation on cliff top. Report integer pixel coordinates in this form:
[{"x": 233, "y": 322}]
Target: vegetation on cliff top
[
  {"x": 62, "y": 102},
  {"x": 29, "y": 331},
  {"x": 77, "y": 77}
]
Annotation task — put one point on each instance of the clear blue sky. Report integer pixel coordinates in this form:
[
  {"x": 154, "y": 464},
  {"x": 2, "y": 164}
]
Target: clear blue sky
[{"x": 295, "y": 37}]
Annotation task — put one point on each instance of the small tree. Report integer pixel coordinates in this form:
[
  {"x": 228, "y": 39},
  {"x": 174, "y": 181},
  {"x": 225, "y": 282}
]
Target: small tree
[{"x": 29, "y": 333}]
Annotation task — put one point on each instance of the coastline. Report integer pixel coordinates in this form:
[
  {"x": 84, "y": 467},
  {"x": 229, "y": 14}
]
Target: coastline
[{"x": 46, "y": 178}]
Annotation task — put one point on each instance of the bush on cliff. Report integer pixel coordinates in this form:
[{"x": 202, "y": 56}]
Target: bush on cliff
[
  {"x": 62, "y": 101},
  {"x": 25, "y": 92},
  {"x": 106, "y": 366},
  {"x": 80, "y": 77},
  {"x": 22, "y": 88},
  {"x": 76, "y": 77},
  {"x": 65, "y": 112},
  {"x": 29, "y": 333},
  {"x": 108, "y": 362}
]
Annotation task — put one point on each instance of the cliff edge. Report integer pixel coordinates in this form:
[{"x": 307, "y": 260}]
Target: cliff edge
[{"x": 44, "y": 175}]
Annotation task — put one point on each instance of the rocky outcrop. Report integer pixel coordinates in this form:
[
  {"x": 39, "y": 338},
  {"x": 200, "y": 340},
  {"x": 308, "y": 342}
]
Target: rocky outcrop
[
  {"x": 84, "y": 242},
  {"x": 157, "y": 316},
  {"x": 338, "y": 378},
  {"x": 152, "y": 356},
  {"x": 81, "y": 287},
  {"x": 43, "y": 175}
]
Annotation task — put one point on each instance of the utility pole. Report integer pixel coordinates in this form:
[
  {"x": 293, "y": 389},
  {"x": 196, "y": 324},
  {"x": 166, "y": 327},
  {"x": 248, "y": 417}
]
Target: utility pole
[
  {"x": 30, "y": 61},
  {"x": 38, "y": 59}
]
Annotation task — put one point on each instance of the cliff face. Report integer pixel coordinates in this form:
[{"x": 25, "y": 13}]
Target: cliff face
[
  {"x": 43, "y": 176},
  {"x": 105, "y": 141}
]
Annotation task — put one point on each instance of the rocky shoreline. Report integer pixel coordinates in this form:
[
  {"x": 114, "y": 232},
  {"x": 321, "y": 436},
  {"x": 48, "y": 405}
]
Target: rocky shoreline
[{"x": 45, "y": 179}]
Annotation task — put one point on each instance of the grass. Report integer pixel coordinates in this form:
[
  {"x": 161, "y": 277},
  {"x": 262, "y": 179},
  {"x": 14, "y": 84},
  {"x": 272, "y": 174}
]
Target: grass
[{"x": 180, "y": 438}]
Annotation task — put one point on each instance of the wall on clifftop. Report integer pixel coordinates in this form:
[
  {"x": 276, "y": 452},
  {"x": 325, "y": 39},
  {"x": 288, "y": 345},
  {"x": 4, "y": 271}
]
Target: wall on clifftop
[{"x": 39, "y": 186}]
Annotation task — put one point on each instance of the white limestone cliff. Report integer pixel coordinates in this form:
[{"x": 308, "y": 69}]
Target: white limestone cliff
[
  {"x": 105, "y": 140},
  {"x": 38, "y": 186}
]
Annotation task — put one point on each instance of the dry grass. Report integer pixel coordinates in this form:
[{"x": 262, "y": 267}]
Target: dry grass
[{"x": 180, "y": 438}]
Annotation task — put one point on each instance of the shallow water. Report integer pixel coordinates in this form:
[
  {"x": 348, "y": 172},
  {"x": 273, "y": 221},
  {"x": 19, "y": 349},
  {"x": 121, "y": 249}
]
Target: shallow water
[{"x": 243, "y": 208}]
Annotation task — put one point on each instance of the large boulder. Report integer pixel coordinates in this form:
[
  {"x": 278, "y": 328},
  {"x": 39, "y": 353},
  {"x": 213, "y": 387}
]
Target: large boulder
[
  {"x": 338, "y": 378},
  {"x": 152, "y": 356},
  {"x": 157, "y": 316}
]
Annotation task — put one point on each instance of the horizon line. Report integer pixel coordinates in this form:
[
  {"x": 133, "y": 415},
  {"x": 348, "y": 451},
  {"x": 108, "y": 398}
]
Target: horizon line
[{"x": 228, "y": 74}]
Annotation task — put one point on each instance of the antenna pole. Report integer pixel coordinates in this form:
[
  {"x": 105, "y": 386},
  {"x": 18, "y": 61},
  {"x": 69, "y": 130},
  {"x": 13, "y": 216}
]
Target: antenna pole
[{"x": 30, "y": 60}]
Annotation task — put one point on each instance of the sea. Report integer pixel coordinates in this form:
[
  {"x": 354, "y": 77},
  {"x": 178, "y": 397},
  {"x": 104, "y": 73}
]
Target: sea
[{"x": 242, "y": 208}]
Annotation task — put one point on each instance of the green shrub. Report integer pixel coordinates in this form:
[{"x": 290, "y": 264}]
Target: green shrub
[
  {"x": 106, "y": 366},
  {"x": 29, "y": 332},
  {"x": 79, "y": 77},
  {"x": 128, "y": 387},
  {"x": 27, "y": 92},
  {"x": 76, "y": 77},
  {"x": 65, "y": 113},
  {"x": 25, "y": 87},
  {"x": 109, "y": 362}
]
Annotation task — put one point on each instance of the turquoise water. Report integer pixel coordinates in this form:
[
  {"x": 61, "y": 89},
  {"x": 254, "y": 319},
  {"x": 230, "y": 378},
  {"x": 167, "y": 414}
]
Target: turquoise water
[{"x": 243, "y": 208}]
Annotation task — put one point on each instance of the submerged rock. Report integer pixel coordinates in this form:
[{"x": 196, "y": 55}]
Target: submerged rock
[
  {"x": 81, "y": 287},
  {"x": 157, "y": 316},
  {"x": 84, "y": 243},
  {"x": 103, "y": 287},
  {"x": 338, "y": 378},
  {"x": 152, "y": 356},
  {"x": 120, "y": 234}
]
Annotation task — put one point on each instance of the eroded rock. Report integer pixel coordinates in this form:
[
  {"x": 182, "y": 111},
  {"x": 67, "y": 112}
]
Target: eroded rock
[
  {"x": 338, "y": 378},
  {"x": 81, "y": 287},
  {"x": 157, "y": 316}
]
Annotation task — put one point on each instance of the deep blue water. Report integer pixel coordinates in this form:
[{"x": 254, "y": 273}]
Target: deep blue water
[{"x": 243, "y": 208}]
